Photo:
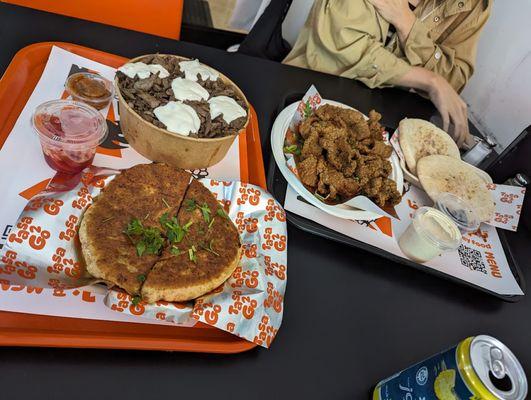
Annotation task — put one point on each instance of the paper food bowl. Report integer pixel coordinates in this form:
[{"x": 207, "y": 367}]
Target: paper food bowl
[{"x": 161, "y": 145}]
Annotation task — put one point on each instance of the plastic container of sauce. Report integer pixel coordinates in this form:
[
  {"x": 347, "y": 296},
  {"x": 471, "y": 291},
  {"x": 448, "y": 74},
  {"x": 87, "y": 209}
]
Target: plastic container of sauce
[
  {"x": 91, "y": 89},
  {"x": 459, "y": 211},
  {"x": 430, "y": 234},
  {"x": 69, "y": 132}
]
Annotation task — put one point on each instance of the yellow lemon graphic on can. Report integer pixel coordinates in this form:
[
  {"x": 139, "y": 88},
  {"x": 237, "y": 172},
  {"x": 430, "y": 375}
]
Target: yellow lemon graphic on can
[{"x": 444, "y": 385}]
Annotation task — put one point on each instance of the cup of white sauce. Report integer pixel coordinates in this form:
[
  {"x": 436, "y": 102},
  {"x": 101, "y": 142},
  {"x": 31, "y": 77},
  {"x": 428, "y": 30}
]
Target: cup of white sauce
[{"x": 430, "y": 234}]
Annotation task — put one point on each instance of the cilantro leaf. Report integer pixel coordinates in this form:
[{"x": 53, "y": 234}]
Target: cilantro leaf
[
  {"x": 140, "y": 248},
  {"x": 205, "y": 210},
  {"x": 134, "y": 227},
  {"x": 221, "y": 212},
  {"x": 307, "y": 109},
  {"x": 141, "y": 278},
  {"x": 175, "y": 250},
  {"x": 189, "y": 204},
  {"x": 135, "y": 300},
  {"x": 293, "y": 149},
  {"x": 209, "y": 248},
  {"x": 153, "y": 241},
  {"x": 149, "y": 240}
]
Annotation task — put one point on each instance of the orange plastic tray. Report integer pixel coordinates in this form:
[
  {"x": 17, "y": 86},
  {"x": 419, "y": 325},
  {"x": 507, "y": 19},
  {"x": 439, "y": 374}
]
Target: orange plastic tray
[
  {"x": 18, "y": 329},
  {"x": 162, "y": 17}
]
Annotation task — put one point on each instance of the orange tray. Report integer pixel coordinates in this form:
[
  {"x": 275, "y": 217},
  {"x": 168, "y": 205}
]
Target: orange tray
[{"x": 19, "y": 329}]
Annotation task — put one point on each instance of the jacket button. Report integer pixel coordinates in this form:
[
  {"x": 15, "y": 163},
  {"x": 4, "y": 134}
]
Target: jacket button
[
  {"x": 437, "y": 55},
  {"x": 461, "y": 4},
  {"x": 436, "y": 19},
  {"x": 374, "y": 66}
]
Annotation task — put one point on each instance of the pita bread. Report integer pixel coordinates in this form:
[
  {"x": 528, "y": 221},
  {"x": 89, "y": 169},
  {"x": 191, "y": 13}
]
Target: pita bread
[
  {"x": 419, "y": 138},
  {"x": 442, "y": 174}
]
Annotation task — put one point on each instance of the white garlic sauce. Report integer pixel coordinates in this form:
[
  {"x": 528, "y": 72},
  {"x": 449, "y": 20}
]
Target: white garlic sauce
[
  {"x": 178, "y": 118},
  {"x": 193, "y": 68},
  {"x": 184, "y": 89},
  {"x": 143, "y": 70},
  {"x": 227, "y": 107}
]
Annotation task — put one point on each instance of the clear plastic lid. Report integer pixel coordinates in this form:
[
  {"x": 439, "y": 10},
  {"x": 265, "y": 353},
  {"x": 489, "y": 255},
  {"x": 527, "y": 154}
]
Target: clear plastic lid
[
  {"x": 459, "y": 211},
  {"x": 438, "y": 228},
  {"x": 70, "y": 124},
  {"x": 89, "y": 87}
]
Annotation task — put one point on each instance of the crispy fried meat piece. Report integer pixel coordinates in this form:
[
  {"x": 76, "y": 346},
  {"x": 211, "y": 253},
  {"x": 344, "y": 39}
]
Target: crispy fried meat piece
[
  {"x": 311, "y": 146},
  {"x": 374, "y": 125},
  {"x": 382, "y": 150},
  {"x": 307, "y": 170},
  {"x": 333, "y": 183},
  {"x": 343, "y": 155},
  {"x": 306, "y": 126}
]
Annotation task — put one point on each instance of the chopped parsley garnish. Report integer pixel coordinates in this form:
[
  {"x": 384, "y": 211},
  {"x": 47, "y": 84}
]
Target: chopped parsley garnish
[
  {"x": 152, "y": 241},
  {"x": 205, "y": 210},
  {"x": 175, "y": 250},
  {"x": 307, "y": 109},
  {"x": 134, "y": 227},
  {"x": 293, "y": 149},
  {"x": 221, "y": 212},
  {"x": 174, "y": 231},
  {"x": 191, "y": 254},
  {"x": 147, "y": 241},
  {"x": 190, "y": 204},
  {"x": 140, "y": 248},
  {"x": 136, "y": 300},
  {"x": 141, "y": 278},
  {"x": 209, "y": 248}
]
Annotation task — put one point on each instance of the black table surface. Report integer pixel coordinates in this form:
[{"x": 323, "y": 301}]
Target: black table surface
[{"x": 351, "y": 318}]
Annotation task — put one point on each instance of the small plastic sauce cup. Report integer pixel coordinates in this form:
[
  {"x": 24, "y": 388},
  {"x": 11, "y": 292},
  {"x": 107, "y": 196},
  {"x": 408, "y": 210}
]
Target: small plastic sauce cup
[
  {"x": 90, "y": 88},
  {"x": 69, "y": 132},
  {"x": 430, "y": 234},
  {"x": 459, "y": 211}
]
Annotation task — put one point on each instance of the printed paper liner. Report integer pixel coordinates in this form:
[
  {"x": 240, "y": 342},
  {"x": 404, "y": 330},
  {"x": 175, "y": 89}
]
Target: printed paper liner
[{"x": 43, "y": 251}]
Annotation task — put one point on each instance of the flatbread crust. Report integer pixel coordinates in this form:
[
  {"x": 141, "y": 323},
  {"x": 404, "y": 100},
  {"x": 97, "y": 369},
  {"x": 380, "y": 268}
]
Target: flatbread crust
[
  {"x": 144, "y": 192},
  {"x": 442, "y": 174},
  {"x": 419, "y": 138},
  {"x": 217, "y": 251},
  {"x": 147, "y": 192}
]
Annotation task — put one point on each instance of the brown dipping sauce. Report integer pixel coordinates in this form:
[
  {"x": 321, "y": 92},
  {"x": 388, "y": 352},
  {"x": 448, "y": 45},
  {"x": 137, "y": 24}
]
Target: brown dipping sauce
[{"x": 90, "y": 89}]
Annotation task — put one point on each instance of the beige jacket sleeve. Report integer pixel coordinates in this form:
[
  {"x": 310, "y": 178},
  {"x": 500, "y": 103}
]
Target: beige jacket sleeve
[
  {"x": 453, "y": 56},
  {"x": 345, "y": 37}
]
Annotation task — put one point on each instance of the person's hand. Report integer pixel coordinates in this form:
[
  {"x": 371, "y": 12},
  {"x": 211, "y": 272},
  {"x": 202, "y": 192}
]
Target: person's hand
[
  {"x": 452, "y": 109},
  {"x": 398, "y": 14}
]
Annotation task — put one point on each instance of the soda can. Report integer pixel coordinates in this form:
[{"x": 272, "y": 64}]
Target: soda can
[{"x": 478, "y": 368}]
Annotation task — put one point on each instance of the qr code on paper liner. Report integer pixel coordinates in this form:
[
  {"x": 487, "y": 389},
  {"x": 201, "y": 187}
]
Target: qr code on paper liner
[{"x": 472, "y": 259}]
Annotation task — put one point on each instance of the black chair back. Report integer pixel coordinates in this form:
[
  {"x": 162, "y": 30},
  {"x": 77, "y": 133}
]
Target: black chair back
[{"x": 265, "y": 38}]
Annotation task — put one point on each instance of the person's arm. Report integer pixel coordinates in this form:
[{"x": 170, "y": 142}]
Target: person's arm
[
  {"x": 346, "y": 40},
  {"x": 447, "y": 101},
  {"x": 454, "y": 59}
]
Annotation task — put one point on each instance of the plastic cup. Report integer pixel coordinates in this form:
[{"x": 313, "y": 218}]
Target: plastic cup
[
  {"x": 430, "y": 234},
  {"x": 69, "y": 132},
  {"x": 90, "y": 88},
  {"x": 459, "y": 211}
]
